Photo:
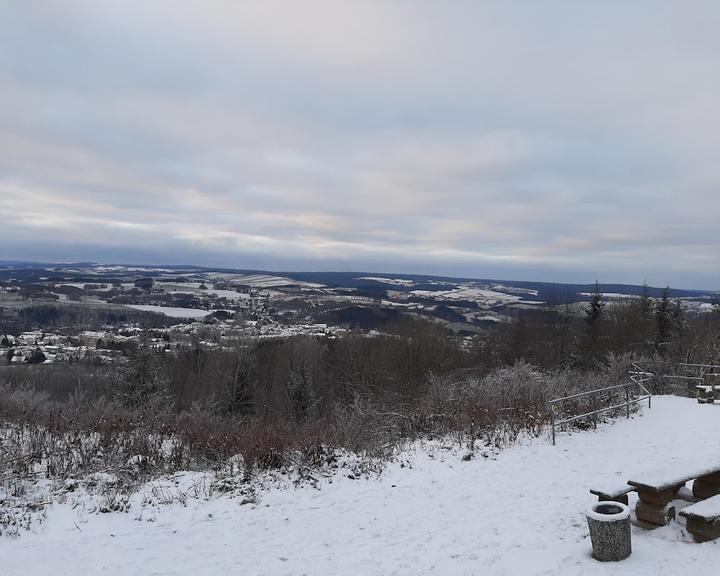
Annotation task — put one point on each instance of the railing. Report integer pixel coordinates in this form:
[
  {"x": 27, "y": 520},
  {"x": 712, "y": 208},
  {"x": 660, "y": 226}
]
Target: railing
[
  {"x": 638, "y": 378},
  {"x": 665, "y": 368}
]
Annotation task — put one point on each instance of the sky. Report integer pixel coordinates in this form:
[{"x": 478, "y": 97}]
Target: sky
[{"x": 560, "y": 141}]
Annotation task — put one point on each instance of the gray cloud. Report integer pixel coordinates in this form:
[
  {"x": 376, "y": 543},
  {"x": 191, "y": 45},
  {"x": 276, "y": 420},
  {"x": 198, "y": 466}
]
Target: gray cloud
[{"x": 549, "y": 140}]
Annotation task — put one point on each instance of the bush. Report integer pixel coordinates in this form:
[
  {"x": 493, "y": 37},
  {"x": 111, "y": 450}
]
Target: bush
[{"x": 276, "y": 403}]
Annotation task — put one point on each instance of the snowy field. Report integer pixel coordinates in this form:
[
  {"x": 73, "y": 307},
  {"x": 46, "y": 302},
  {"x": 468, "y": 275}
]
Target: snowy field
[
  {"x": 519, "y": 512},
  {"x": 194, "y": 289},
  {"x": 472, "y": 292},
  {"x": 172, "y": 311}
]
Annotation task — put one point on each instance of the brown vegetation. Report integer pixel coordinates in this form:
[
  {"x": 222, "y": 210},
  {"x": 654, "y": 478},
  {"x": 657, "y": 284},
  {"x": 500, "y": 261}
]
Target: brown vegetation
[{"x": 298, "y": 399}]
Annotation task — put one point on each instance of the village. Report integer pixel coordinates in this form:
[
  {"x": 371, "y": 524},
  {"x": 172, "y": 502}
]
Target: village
[
  {"x": 94, "y": 313},
  {"x": 111, "y": 344},
  {"x": 106, "y": 321}
]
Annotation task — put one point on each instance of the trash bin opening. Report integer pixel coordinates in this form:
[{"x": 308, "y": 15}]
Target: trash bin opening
[{"x": 608, "y": 511}]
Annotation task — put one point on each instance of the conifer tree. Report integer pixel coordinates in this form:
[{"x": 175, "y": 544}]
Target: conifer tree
[
  {"x": 662, "y": 320},
  {"x": 594, "y": 311},
  {"x": 593, "y": 317},
  {"x": 645, "y": 301}
]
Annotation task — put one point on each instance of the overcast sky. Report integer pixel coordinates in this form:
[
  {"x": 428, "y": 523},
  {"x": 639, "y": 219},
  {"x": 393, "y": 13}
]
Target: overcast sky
[{"x": 566, "y": 141}]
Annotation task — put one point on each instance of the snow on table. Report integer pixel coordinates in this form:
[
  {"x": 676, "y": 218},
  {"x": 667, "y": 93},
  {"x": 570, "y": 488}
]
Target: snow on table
[
  {"x": 520, "y": 513},
  {"x": 611, "y": 487},
  {"x": 678, "y": 472},
  {"x": 707, "y": 387}
]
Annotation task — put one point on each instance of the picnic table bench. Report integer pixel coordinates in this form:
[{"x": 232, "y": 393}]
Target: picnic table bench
[
  {"x": 657, "y": 489},
  {"x": 708, "y": 394},
  {"x": 703, "y": 519},
  {"x": 614, "y": 490},
  {"x": 709, "y": 391}
]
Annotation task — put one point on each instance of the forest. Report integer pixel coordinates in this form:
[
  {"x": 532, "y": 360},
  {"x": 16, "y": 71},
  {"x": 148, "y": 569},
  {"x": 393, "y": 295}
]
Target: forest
[{"x": 276, "y": 401}]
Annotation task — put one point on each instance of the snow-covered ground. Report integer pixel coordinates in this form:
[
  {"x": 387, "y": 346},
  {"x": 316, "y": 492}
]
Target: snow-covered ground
[
  {"x": 262, "y": 280},
  {"x": 396, "y": 281},
  {"x": 517, "y": 512},
  {"x": 172, "y": 311},
  {"x": 195, "y": 290},
  {"x": 475, "y": 293}
]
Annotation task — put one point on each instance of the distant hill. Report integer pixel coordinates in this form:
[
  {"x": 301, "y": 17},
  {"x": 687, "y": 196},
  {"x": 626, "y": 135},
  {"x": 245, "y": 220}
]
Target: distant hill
[{"x": 365, "y": 282}]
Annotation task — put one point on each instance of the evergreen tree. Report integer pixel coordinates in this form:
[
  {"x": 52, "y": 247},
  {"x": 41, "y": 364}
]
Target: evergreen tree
[
  {"x": 663, "y": 320},
  {"x": 645, "y": 301},
  {"x": 36, "y": 357},
  {"x": 594, "y": 311},
  {"x": 143, "y": 382},
  {"x": 642, "y": 318},
  {"x": 590, "y": 344},
  {"x": 677, "y": 314}
]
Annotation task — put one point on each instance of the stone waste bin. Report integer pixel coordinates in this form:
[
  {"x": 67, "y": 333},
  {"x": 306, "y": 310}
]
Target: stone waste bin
[{"x": 609, "y": 524}]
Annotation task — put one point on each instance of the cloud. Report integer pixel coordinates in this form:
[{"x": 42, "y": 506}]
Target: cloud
[{"x": 546, "y": 141}]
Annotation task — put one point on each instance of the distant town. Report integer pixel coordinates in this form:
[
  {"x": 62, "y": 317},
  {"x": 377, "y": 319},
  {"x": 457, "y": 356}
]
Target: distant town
[{"x": 98, "y": 313}]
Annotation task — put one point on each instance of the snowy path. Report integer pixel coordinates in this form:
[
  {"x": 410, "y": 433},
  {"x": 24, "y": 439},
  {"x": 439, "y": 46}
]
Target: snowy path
[{"x": 522, "y": 513}]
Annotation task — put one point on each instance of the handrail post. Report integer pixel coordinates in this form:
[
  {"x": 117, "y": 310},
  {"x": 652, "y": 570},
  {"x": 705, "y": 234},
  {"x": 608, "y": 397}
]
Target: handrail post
[
  {"x": 636, "y": 378},
  {"x": 627, "y": 402}
]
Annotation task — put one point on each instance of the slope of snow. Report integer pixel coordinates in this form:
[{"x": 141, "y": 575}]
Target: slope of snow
[
  {"x": 172, "y": 311},
  {"x": 229, "y": 294},
  {"x": 396, "y": 281},
  {"x": 196, "y": 291},
  {"x": 518, "y": 512},
  {"x": 472, "y": 292},
  {"x": 263, "y": 280}
]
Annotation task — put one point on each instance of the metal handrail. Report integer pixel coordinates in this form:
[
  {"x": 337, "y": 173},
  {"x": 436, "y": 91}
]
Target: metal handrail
[
  {"x": 600, "y": 410},
  {"x": 638, "y": 377},
  {"x": 685, "y": 364},
  {"x": 628, "y": 401},
  {"x": 586, "y": 393},
  {"x": 702, "y": 369}
]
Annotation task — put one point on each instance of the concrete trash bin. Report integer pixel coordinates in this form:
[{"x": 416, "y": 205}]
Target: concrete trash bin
[{"x": 609, "y": 524}]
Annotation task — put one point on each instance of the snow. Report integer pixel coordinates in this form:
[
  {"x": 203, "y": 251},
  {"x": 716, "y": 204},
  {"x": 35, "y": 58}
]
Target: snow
[
  {"x": 196, "y": 291},
  {"x": 229, "y": 294},
  {"x": 612, "y": 487},
  {"x": 678, "y": 471},
  {"x": 519, "y": 511},
  {"x": 709, "y": 508},
  {"x": 472, "y": 292},
  {"x": 82, "y": 285},
  {"x": 263, "y": 280},
  {"x": 707, "y": 387},
  {"x": 396, "y": 281},
  {"x": 610, "y": 295},
  {"x": 619, "y": 512},
  {"x": 172, "y": 311}
]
